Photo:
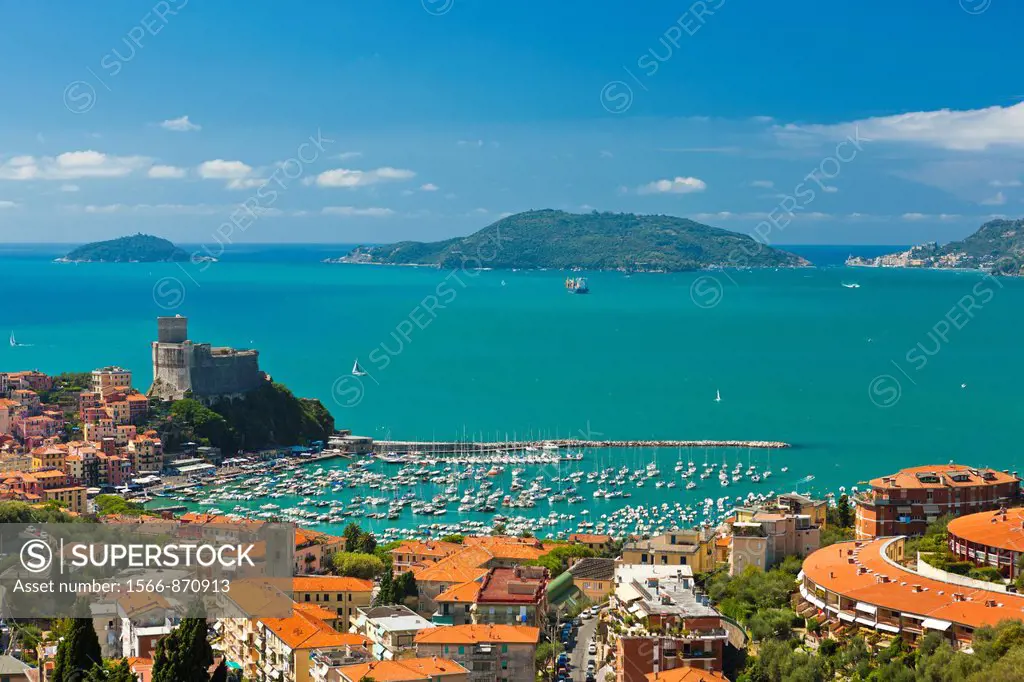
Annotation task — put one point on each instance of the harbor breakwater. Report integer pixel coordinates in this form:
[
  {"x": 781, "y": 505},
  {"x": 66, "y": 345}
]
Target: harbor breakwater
[{"x": 466, "y": 447}]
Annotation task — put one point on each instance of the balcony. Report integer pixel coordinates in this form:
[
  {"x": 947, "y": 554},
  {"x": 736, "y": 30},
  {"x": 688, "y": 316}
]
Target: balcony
[{"x": 439, "y": 618}]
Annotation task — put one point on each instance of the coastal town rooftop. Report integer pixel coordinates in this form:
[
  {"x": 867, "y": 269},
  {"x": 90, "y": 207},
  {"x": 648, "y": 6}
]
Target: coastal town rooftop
[
  {"x": 943, "y": 475},
  {"x": 864, "y": 574},
  {"x": 1003, "y": 529},
  {"x": 660, "y": 591}
]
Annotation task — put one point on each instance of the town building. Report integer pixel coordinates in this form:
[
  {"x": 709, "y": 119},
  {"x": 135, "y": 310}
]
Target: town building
[
  {"x": 502, "y": 653},
  {"x": 314, "y": 550},
  {"x": 432, "y": 669},
  {"x": 335, "y": 593},
  {"x": 143, "y": 620},
  {"x": 597, "y": 542},
  {"x": 762, "y": 537},
  {"x": 594, "y": 577},
  {"x": 689, "y": 547},
  {"x": 512, "y": 596},
  {"x": 992, "y": 538},
  {"x": 904, "y": 503},
  {"x": 863, "y": 584},
  {"x": 282, "y": 649},
  {"x": 146, "y": 453},
  {"x": 687, "y": 675},
  {"x": 660, "y": 621},
  {"x": 391, "y": 630},
  {"x": 110, "y": 377},
  {"x": 205, "y": 372},
  {"x": 412, "y": 554}
]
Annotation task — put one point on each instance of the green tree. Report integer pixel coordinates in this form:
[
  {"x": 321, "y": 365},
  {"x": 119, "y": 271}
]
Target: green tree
[
  {"x": 78, "y": 651},
  {"x": 386, "y": 594},
  {"x": 355, "y": 565},
  {"x": 221, "y": 673},
  {"x": 184, "y": 655},
  {"x": 111, "y": 671}
]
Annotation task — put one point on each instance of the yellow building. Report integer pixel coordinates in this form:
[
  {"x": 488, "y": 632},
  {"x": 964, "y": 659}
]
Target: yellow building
[
  {"x": 73, "y": 498},
  {"x": 110, "y": 377},
  {"x": 338, "y": 594},
  {"x": 49, "y": 457},
  {"x": 691, "y": 547},
  {"x": 146, "y": 452},
  {"x": 594, "y": 577}
]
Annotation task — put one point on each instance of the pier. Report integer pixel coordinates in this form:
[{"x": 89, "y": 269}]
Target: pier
[{"x": 476, "y": 447}]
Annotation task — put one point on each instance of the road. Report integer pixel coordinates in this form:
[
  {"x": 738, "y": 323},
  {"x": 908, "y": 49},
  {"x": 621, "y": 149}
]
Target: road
[{"x": 579, "y": 656}]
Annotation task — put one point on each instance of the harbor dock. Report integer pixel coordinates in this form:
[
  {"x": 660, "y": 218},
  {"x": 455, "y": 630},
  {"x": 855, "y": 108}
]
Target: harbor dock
[{"x": 468, "y": 447}]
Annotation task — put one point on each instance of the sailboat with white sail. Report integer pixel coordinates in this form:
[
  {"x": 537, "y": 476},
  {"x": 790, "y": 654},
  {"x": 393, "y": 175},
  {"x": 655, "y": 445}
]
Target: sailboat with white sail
[
  {"x": 718, "y": 396},
  {"x": 358, "y": 371}
]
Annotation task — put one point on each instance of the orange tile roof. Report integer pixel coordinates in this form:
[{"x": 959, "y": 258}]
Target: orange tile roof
[
  {"x": 908, "y": 478},
  {"x": 304, "y": 631},
  {"x": 590, "y": 538},
  {"x": 1002, "y": 529},
  {"x": 429, "y": 548},
  {"x": 330, "y": 583},
  {"x": 857, "y": 570},
  {"x": 304, "y": 536},
  {"x": 474, "y": 634},
  {"x": 406, "y": 670},
  {"x": 686, "y": 674},
  {"x": 463, "y": 592}
]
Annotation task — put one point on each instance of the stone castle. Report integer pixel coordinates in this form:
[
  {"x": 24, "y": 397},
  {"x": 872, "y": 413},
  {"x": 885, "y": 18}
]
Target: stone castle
[{"x": 207, "y": 372}]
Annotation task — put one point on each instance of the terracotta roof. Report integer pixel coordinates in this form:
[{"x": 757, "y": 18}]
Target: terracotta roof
[
  {"x": 687, "y": 674},
  {"x": 302, "y": 630},
  {"x": 590, "y": 538},
  {"x": 474, "y": 634},
  {"x": 498, "y": 586},
  {"x": 858, "y": 570},
  {"x": 406, "y": 670},
  {"x": 1003, "y": 529},
  {"x": 304, "y": 536},
  {"x": 460, "y": 567},
  {"x": 428, "y": 548},
  {"x": 912, "y": 477},
  {"x": 593, "y": 568},
  {"x": 330, "y": 583},
  {"x": 463, "y": 592}
]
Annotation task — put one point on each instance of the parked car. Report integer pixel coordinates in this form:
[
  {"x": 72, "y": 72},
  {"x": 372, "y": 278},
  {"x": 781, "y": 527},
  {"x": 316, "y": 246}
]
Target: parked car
[{"x": 592, "y": 649}]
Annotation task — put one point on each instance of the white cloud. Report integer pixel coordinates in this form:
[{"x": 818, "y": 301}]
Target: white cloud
[
  {"x": 605, "y": 154},
  {"x": 165, "y": 209},
  {"x": 763, "y": 184},
  {"x": 470, "y": 143},
  {"x": 69, "y": 188},
  {"x": 345, "y": 177},
  {"x": 245, "y": 183},
  {"x": 1006, "y": 183},
  {"x": 678, "y": 185},
  {"x": 914, "y": 216},
  {"x": 969, "y": 130},
  {"x": 352, "y": 211},
  {"x": 429, "y": 187},
  {"x": 829, "y": 189},
  {"x": 71, "y": 166},
  {"x": 8, "y": 204},
  {"x": 348, "y": 155},
  {"x": 219, "y": 169},
  {"x": 180, "y": 125},
  {"x": 998, "y": 200},
  {"x": 166, "y": 172}
]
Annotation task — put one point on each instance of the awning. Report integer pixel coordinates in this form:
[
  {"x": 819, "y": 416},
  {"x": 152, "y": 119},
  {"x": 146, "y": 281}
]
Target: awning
[
  {"x": 935, "y": 624},
  {"x": 866, "y": 608},
  {"x": 846, "y": 616},
  {"x": 887, "y": 628}
]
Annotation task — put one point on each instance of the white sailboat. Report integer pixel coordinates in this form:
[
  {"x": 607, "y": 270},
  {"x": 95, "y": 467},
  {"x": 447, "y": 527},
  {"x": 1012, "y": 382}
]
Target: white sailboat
[
  {"x": 718, "y": 396},
  {"x": 14, "y": 341},
  {"x": 357, "y": 370}
]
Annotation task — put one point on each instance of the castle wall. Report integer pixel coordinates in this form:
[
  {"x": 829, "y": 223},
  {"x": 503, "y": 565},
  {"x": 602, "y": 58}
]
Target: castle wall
[
  {"x": 171, "y": 369},
  {"x": 224, "y": 371}
]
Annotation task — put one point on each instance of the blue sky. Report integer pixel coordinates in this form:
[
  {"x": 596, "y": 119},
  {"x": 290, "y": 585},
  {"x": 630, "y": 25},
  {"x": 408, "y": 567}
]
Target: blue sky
[{"x": 434, "y": 118}]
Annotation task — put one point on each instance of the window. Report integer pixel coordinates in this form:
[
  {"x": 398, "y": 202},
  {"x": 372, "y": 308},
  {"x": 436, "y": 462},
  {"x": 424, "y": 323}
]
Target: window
[
  {"x": 307, "y": 597},
  {"x": 664, "y": 559},
  {"x": 446, "y": 648},
  {"x": 643, "y": 558},
  {"x": 504, "y": 648},
  {"x": 462, "y": 649},
  {"x": 504, "y": 665}
]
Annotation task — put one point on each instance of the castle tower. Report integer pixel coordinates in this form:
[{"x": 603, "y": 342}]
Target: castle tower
[{"x": 172, "y": 359}]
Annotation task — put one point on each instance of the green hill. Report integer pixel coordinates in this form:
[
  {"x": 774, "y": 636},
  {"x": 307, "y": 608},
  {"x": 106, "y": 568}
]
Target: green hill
[
  {"x": 998, "y": 246},
  {"x": 592, "y": 241},
  {"x": 138, "y": 248}
]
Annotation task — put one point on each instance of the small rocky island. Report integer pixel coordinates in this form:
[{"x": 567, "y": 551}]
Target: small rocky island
[
  {"x": 997, "y": 247},
  {"x": 138, "y": 248},
  {"x": 557, "y": 240}
]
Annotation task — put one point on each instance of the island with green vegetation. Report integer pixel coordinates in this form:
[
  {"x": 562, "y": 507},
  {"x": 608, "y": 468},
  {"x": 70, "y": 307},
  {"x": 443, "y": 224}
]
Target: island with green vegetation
[
  {"x": 549, "y": 239},
  {"x": 138, "y": 248},
  {"x": 997, "y": 247}
]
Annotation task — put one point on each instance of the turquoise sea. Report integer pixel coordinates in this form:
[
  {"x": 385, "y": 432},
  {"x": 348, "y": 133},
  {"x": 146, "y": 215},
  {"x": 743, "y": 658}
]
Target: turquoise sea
[{"x": 860, "y": 380}]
